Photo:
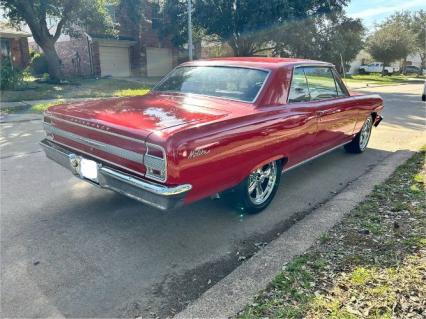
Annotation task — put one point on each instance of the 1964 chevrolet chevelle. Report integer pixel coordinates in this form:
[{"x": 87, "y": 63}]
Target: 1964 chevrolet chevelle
[{"x": 228, "y": 126}]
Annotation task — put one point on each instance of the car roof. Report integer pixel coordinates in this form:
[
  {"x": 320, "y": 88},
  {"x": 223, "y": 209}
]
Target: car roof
[{"x": 255, "y": 62}]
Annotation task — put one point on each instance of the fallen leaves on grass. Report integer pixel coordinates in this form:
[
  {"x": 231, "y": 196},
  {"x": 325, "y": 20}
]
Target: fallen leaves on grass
[
  {"x": 376, "y": 292},
  {"x": 372, "y": 265}
]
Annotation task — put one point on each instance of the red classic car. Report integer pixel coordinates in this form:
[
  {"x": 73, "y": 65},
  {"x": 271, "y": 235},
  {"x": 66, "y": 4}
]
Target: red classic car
[{"x": 222, "y": 126}]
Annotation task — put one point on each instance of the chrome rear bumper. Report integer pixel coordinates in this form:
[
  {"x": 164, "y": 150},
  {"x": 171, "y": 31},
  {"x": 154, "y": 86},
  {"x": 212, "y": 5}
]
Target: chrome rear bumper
[{"x": 153, "y": 194}]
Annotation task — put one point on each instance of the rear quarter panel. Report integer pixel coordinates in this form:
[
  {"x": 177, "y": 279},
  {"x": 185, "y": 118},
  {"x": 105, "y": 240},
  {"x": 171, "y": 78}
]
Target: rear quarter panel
[
  {"x": 366, "y": 105},
  {"x": 234, "y": 147}
]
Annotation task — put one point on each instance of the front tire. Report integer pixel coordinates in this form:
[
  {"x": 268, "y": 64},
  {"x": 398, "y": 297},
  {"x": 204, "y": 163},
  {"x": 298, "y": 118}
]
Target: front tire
[
  {"x": 257, "y": 190},
  {"x": 360, "y": 141}
]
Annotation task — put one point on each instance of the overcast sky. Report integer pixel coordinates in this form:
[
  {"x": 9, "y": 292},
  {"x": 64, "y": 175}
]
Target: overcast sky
[{"x": 375, "y": 11}]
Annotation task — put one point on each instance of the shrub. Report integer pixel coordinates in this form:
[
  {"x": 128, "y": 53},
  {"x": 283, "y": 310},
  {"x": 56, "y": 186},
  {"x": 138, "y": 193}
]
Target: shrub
[
  {"x": 10, "y": 77},
  {"x": 38, "y": 64}
]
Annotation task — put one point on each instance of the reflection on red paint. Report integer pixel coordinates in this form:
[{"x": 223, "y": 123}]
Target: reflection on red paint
[{"x": 230, "y": 138}]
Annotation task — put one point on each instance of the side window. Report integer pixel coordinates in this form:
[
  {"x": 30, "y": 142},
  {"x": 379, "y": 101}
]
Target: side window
[
  {"x": 340, "y": 92},
  {"x": 299, "y": 91},
  {"x": 321, "y": 83},
  {"x": 341, "y": 88}
]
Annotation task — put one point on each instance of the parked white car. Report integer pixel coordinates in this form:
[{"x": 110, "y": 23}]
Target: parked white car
[{"x": 376, "y": 67}]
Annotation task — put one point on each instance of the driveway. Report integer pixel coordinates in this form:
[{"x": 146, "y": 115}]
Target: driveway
[{"x": 70, "y": 249}]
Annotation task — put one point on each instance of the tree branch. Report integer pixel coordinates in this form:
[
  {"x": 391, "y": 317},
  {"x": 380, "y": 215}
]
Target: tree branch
[
  {"x": 59, "y": 29},
  {"x": 30, "y": 17},
  {"x": 67, "y": 9},
  {"x": 264, "y": 49}
]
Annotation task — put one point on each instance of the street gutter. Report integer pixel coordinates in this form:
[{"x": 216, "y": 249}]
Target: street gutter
[{"x": 230, "y": 295}]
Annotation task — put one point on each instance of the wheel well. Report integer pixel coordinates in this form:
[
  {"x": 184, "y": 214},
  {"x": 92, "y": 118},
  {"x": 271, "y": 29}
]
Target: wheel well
[{"x": 283, "y": 161}]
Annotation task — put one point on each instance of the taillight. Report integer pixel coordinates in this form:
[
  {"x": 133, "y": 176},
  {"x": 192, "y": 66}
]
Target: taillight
[{"x": 155, "y": 162}]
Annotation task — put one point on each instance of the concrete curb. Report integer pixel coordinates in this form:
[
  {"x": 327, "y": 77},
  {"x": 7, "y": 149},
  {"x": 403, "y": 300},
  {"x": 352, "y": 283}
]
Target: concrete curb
[{"x": 234, "y": 292}]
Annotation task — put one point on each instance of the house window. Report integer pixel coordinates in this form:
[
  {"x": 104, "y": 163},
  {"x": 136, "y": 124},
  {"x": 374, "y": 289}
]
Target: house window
[
  {"x": 5, "y": 48},
  {"x": 157, "y": 15}
]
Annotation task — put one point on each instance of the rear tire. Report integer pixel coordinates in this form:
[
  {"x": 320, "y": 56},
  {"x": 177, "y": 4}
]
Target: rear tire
[
  {"x": 257, "y": 190},
  {"x": 360, "y": 141}
]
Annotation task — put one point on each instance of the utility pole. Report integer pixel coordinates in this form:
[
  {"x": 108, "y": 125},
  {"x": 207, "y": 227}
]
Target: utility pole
[{"x": 190, "y": 55}]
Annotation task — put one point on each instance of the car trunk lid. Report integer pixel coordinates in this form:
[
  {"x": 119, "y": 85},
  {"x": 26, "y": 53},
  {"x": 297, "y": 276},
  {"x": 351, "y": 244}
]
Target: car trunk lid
[{"x": 115, "y": 130}]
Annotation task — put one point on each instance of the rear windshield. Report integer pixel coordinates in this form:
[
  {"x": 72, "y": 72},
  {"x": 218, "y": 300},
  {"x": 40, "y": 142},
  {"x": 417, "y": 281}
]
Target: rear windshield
[{"x": 241, "y": 84}]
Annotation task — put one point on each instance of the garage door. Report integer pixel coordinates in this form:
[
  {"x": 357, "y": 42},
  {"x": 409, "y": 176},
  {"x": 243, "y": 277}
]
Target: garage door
[
  {"x": 159, "y": 61},
  {"x": 114, "y": 61}
]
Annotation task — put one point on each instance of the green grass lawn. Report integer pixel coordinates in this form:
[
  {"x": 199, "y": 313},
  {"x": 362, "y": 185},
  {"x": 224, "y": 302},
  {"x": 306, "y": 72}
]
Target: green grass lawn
[
  {"x": 383, "y": 80},
  {"x": 41, "y": 107},
  {"x": 372, "y": 265},
  {"x": 76, "y": 88}
]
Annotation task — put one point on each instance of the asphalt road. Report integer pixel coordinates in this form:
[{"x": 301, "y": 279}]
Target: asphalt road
[{"x": 70, "y": 249}]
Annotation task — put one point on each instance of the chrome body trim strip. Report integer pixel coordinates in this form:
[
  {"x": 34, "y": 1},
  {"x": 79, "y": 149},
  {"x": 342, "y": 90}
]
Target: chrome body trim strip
[
  {"x": 51, "y": 116},
  {"x": 314, "y": 157},
  {"x": 107, "y": 148},
  {"x": 97, "y": 157}
]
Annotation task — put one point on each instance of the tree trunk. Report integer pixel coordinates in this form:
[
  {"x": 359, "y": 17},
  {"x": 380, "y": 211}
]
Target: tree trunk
[
  {"x": 35, "y": 17},
  {"x": 53, "y": 61},
  {"x": 423, "y": 60},
  {"x": 404, "y": 66},
  {"x": 383, "y": 69}
]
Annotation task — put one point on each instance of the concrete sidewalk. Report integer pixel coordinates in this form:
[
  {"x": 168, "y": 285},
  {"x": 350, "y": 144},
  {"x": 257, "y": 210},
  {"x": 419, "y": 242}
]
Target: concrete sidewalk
[
  {"x": 14, "y": 118},
  {"x": 25, "y": 105}
]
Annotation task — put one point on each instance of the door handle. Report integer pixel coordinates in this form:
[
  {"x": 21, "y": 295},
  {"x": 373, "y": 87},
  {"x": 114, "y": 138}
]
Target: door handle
[{"x": 328, "y": 112}]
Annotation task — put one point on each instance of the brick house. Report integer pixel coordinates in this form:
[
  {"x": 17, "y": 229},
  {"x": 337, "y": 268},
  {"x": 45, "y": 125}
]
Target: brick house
[
  {"x": 138, "y": 50},
  {"x": 14, "y": 45}
]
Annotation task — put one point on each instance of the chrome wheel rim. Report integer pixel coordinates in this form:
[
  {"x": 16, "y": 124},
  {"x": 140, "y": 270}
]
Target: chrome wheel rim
[
  {"x": 261, "y": 183},
  {"x": 365, "y": 134}
]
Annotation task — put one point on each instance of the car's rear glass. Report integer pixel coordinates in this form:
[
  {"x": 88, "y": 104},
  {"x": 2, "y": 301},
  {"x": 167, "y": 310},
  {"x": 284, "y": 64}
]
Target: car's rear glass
[{"x": 243, "y": 84}]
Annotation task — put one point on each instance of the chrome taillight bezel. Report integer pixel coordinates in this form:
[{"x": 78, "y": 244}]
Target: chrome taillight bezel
[{"x": 155, "y": 163}]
